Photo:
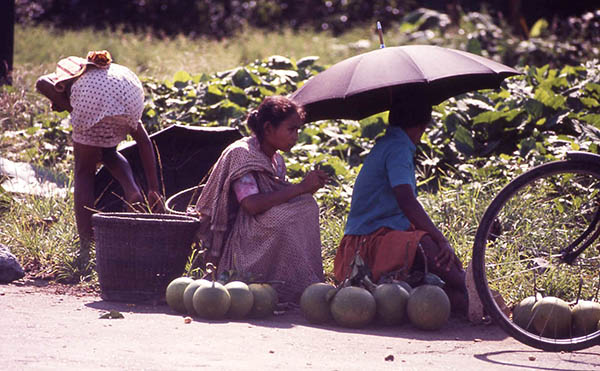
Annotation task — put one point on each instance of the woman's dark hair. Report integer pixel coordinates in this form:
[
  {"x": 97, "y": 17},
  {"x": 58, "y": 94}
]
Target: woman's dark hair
[
  {"x": 409, "y": 113},
  {"x": 274, "y": 109}
]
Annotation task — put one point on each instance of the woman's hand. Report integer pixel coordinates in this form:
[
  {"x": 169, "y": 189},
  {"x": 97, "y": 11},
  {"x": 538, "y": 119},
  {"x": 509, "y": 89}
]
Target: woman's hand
[
  {"x": 314, "y": 180},
  {"x": 261, "y": 202}
]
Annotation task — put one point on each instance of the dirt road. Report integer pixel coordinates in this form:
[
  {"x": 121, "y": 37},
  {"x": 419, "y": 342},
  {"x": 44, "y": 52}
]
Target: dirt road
[{"x": 42, "y": 329}]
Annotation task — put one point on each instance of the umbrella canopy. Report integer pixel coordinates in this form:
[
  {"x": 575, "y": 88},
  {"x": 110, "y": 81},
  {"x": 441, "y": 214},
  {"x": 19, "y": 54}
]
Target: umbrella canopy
[{"x": 366, "y": 84}]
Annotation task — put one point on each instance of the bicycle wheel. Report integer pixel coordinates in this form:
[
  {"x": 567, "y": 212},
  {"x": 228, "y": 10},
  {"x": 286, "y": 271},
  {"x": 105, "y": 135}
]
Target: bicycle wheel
[{"x": 517, "y": 249}]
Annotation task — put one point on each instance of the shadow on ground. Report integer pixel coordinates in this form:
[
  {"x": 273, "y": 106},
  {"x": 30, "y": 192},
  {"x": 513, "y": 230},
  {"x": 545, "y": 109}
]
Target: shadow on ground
[
  {"x": 455, "y": 330},
  {"x": 568, "y": 357}
]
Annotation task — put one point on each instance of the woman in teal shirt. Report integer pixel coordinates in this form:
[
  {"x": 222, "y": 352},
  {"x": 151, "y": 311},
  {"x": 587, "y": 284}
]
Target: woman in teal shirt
[{"x": 387, "y": 223}]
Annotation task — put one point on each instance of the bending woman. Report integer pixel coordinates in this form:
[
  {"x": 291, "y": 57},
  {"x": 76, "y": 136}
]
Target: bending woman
[
  {"x": 258, "y": 223},
  {"x": 106, "y": 101}
]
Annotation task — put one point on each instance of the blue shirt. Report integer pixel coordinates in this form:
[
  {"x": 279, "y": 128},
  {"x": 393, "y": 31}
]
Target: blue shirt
[{"x": 389, "y": 164}]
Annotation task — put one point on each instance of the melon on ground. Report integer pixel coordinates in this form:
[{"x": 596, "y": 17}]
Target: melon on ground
[
  {"x": 241, "y": 299},
  {"x": 174, "y": 293},
  {"x": 188, "y": 295},
  {"x": 391, "y": 300},
  {"x": 353, "y": 307},
  {"x": 586, "y": 315},
  {"x": 428, "y": 307},
  {"x": 265, "y": 300},
  {"x": 212, "y": 301},
  {"x": 314, "y": 304},
  {"x": 552, "y": 317},
  {"x": 523, "y": 313},
  {"x": 273, "y": 292},
  {"x": 405, "y": 285}
]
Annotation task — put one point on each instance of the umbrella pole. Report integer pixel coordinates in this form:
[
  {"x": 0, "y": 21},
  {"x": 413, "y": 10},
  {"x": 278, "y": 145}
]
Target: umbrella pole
[{"x": 380, "y": 32}]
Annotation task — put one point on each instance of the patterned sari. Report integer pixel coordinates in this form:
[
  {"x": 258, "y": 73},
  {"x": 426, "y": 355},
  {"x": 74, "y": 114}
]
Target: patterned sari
[{"x": 280, "y": 244}]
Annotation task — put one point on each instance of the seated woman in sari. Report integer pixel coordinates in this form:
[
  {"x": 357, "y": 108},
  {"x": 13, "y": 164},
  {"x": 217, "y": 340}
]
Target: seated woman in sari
[
  {"x": 387, "y": 224},
  {"x": 257, "y": 222}
]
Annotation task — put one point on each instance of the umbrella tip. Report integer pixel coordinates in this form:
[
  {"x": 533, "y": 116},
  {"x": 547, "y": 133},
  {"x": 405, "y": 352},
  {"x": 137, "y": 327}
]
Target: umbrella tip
[{"x": 380, "y": 32}]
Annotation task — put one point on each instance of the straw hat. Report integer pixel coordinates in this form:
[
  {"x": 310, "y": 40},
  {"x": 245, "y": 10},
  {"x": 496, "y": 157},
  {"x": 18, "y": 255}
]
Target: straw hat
[{"x": 70, "y": 68}]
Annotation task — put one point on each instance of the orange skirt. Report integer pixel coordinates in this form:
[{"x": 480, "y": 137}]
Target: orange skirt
[{"x": 384, "y": 250}]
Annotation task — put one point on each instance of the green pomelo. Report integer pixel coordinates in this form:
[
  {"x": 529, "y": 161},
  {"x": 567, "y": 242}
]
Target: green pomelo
[
  {"x": 264, "y": 300},
  {"x": 552, "y": 317},
  {"x": 188, "y": 295},
  {"x": 314, "y": 304},
  {"x": 391, "y": 299},
  {"x": 174, "y": 293},
  {"x": 523, "y": 313},
  {"x": 353, "y": 307},
  {"x": 428, "y": 307},
  {"x": 273, "y": 292},
  {"x": 212, "y": 301},
  {"x": 241, "y": 299},
  {"x": 586, "y": 315},
  {"x": 405, "y": 285}
]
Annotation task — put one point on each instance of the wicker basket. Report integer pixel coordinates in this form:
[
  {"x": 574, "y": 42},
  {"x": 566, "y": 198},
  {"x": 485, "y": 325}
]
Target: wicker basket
[
  {"x": 137, "y": 255},
  {"x": 180, "y": 201}
]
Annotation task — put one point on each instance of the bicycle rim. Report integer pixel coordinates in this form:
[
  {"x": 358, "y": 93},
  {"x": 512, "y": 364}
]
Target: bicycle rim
[{"x": 518, "y": 244}]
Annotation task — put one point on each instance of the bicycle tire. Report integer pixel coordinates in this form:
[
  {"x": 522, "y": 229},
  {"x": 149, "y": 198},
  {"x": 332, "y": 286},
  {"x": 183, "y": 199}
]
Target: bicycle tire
[{"x": 488, "y": 238}]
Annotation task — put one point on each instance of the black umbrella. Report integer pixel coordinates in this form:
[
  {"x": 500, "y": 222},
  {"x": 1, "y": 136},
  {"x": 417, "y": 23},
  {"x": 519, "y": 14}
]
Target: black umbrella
[
  {"x": 186, "y": 154},
  {"x": 368, "y": 83}
]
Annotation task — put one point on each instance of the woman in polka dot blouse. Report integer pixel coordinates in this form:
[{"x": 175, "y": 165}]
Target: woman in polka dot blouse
[{"x": 106, "y": 101}]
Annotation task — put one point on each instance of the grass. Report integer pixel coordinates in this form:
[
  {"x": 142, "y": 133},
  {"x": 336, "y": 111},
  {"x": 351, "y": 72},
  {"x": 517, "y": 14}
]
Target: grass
[
  {"x": 41, "y": 232},
  {"x": 38, "y": 48}
]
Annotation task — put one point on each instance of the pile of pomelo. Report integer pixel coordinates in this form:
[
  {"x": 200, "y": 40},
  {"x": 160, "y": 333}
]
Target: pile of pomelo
[
  {"x": 215, "y": 301},
  {"x": 553, "y": 317},
  {"x": 427, "y": 307}
]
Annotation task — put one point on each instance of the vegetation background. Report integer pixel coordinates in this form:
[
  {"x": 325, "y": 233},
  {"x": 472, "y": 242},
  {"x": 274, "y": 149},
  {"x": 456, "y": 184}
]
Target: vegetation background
[{"x": 219, "y": 59}]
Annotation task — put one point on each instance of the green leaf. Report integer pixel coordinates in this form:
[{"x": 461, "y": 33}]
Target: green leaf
[
  {"x": 280, "y": 62},
  {"x": 488, "y": 117},
  {"x": 538, "y": 28},
  {"x": 526, "y": 145},
  {"x": 569, "y": 70},
  {"x": 592, "y": 119},
  {"x": 549, "y": 98},
  {"x": 243, "y": 78},
  {"x": 307, "y": 61},
  {"x": 372, "y": 127},
  {"x": 214, "y": 94},
  {"x": 589, "y": 102},
  {"x": 181, "y": 76},
  {"x": 593, "y": 87},
  {"x": 238, "y": 96},
  {"x": 534, "y": 107},
  {"x": 464, "y": 140},
  {"x": 474, "y": 46},
  {"x": 453, "y": 121}
]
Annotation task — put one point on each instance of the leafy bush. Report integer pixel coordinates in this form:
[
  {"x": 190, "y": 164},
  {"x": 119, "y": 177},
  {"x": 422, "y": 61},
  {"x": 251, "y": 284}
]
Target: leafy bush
[
  {"x": 536, "y": 117},
  {"x": 568, "y": 41}
]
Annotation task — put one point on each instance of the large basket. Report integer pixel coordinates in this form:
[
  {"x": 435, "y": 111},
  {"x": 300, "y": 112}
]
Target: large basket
[
  {"x": 137, "y": 255},
  {"x": 180, "y": 202}
]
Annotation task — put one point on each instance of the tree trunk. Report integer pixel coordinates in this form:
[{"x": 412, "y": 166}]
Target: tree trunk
[{"x": 7, "y": 33}]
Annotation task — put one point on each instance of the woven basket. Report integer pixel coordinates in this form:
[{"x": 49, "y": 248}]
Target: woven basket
[
  {"x": 137, "y": 255},
  {"x": 180, "y": 201}
]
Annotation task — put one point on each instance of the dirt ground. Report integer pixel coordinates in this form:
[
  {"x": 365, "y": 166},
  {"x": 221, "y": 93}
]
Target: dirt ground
[{"x": 48, "y": 327}]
